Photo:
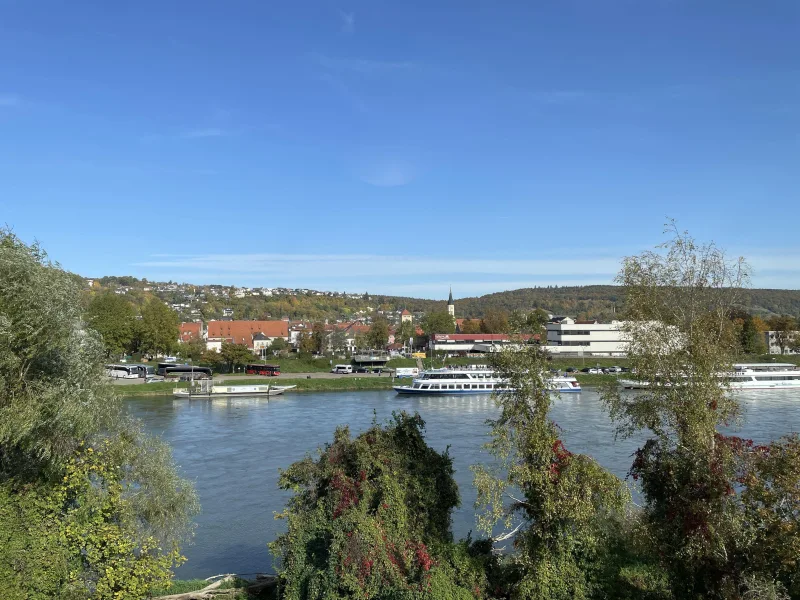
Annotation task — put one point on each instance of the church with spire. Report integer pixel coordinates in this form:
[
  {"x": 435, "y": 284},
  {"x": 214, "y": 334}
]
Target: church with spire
[{"x": 451, "y": 306}]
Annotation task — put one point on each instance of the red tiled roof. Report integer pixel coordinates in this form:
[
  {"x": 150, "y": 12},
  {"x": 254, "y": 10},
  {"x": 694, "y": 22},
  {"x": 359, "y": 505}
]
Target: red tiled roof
[
  {"x": 242, "y": 332},
  {"x": 405, "y": 312},
  {"x": 190, "y": 331}
]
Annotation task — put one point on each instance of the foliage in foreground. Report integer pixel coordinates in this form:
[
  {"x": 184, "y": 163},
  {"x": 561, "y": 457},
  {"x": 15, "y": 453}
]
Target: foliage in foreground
[
  {"x": 75, "y": 523},
  {"x": 370, "y": 518},
  {"x": 563, "y": 503},
  {"x": 721, "y": 513}
]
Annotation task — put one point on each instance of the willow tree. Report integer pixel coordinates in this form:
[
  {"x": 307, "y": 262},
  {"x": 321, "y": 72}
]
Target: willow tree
[
  {"x": 708, "y": 514},
  {"x": 89, "y": 506},
  {"x": 554, "y": 504}
]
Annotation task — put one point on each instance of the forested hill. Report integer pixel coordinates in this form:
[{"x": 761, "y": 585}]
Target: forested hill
[
  {"x": 208, "y": 302},
  {"x": 602, "y": 301}
]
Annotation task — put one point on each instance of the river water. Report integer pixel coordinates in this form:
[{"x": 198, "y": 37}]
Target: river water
[{"x": 232, "y": 450}]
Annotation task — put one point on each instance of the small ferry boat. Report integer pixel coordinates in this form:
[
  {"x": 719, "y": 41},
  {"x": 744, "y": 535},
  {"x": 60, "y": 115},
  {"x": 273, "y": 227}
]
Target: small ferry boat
[
  {"x": 748, "y": 376},
  {"x": 472, "y": 381},
  {"x": 207, "y": 389}
]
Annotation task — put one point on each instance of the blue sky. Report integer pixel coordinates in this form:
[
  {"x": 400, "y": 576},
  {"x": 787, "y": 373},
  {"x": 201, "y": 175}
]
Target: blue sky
[{"x": 399, "y": 147}]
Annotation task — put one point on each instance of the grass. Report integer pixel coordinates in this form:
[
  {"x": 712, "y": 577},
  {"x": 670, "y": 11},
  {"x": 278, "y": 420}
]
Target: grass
[
  {"x": 343, "y": 384},
  {"x": 340, "y": 384},
  {"x": 587, "y": 380},
  {"x": 182, "y": 586}
]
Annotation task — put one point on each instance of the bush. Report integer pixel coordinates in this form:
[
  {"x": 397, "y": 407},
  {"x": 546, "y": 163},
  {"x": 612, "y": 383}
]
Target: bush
[{"x": 371, "y": 519}]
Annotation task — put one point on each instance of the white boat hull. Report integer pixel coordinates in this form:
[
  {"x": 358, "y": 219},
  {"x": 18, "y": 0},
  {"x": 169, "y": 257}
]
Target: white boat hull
[
  {"x": 473, "y": 381},
  {"x": 408, "y": 390},
  {"x": 227, "y": 391},
  {"x": 745, "y": 376}
]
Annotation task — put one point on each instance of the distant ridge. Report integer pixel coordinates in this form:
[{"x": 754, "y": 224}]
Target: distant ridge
[
  {"x": 602, "y": 302},
  {"x": 595, "y": 301}
]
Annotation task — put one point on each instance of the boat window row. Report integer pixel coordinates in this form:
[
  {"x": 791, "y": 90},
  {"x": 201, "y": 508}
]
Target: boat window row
[
  {"x": 778, "y": 378},
  {"x": 455, "y": 386},
  {"x": 459, "y": 376}
]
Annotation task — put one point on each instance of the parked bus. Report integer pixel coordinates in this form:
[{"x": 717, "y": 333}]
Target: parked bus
[
  {"x": 266, "y": 370},
  {"x": 123, "y": 371},
  {"x": 187, "y": 372},
  {"x": 144, "y": 371},
  {"x": 183, "y": 371}
]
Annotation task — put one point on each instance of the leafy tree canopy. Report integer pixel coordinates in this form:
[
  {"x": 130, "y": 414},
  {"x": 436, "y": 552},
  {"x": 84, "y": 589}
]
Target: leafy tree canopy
[
  {"x": 378, "y": 335},
  {"x": 114, "y": 318},
  {"x": 235, "y": 355},
  {"x": 159, "y": 328},
  {"x": 82, "y": 512},
  {"x": 438, "y": 322}
]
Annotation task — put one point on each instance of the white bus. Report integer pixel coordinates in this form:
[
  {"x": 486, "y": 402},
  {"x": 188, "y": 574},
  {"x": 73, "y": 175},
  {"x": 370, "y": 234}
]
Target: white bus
[
  {"x": 342, "y": 369},
  {"x": 123, "y": 371}
]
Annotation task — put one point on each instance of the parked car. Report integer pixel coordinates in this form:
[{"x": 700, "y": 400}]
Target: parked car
[
  {"x": 571, "y": 370},
  {"x": 613, "y": 370},
  {"x": 592, "y": 371},
  {"x": 362, "y": 370}
]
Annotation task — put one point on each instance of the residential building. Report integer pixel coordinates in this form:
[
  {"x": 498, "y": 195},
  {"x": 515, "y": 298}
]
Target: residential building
[
  {"x": 244, "y": 332},
  {"x": 566, "y": 336},
  {"x": 191, "y": 331},
  {"x": 405, "y": 316},
  {"x": 791, "y": 342},
  {"x": 350, "y": 330}
]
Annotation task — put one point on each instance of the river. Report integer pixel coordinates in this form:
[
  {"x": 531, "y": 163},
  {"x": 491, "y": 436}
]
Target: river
[{"x": 232, "y": 450}]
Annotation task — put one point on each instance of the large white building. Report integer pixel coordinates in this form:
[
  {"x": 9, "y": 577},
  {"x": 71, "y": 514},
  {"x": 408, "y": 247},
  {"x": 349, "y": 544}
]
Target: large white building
[{"x": 566, "y": 336}]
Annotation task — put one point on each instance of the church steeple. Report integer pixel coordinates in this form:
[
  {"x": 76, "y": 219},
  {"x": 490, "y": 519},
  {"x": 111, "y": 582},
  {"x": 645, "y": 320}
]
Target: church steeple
[{"x": 451, "y": 306}]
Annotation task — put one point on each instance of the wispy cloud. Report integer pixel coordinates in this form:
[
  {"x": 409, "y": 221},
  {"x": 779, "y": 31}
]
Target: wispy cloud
[
  {"x": 426, "y": 276},
  {"x": 348, "y": 21},
  {"x": 9, "y": 100},
  {"x": 205, "y": 133},
  {"x": 361, "y": 65},
  {"x": 361, "y": 265}
]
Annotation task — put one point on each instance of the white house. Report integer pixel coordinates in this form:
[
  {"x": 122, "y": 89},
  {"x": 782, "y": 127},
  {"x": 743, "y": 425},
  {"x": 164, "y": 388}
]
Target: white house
[{"x": 792, "y": 345}]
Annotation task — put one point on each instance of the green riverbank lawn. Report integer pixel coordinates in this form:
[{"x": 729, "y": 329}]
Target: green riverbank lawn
[{"x": 341, "y": 384}]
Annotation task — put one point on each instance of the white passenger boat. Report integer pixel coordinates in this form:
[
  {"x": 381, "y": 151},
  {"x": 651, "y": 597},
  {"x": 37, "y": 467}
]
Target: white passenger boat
[
  {"x": 748, "y": 376},
  {"x": 207, "y": 389},
  {"x": 472, "y": 381}
]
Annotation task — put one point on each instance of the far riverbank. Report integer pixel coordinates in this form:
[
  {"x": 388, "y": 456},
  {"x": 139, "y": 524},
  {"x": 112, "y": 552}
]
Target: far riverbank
[{"x": 315, "y": 383}]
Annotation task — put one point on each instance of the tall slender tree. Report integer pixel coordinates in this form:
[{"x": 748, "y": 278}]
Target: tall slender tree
[{"x": 707, "y": 513}]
